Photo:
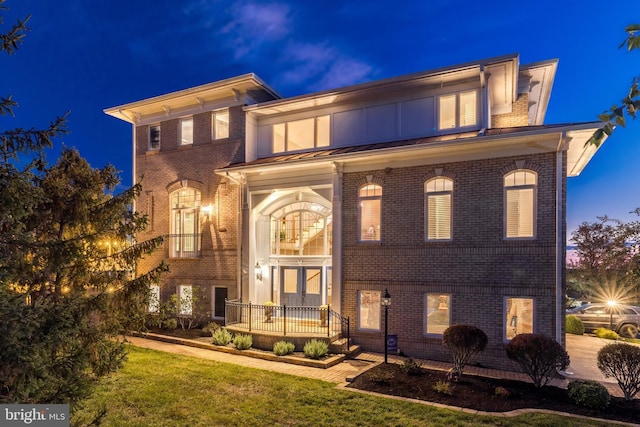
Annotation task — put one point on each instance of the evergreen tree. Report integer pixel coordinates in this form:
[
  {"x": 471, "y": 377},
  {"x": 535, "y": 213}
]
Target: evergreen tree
[{"x": 68, "y": 257}]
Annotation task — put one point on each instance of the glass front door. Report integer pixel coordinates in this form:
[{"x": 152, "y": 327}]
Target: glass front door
[{"x": 301, "y": 286}]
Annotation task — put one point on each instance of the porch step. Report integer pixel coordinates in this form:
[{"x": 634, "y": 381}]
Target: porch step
[{"x": 340, "y": 346}]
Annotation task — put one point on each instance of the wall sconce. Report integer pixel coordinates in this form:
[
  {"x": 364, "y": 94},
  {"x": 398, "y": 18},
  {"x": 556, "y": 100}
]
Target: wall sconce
[
  {"x": 206, "y": 211},
  {"x": 258, "y": 272}
]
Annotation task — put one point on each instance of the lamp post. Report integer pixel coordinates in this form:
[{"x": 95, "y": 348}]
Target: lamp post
[
  {"x": 612, "y": 305},
  {"x": 386, "y": 302}
]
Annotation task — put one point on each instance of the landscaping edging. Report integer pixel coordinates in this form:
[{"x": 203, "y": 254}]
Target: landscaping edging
[{"x": 322, "y": 364}]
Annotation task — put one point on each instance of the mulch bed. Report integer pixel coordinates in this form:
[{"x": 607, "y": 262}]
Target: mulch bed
[{"x": 479, "y": 393}]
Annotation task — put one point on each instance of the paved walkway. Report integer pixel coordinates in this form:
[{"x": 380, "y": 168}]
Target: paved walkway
[{"x": 582, "y": 350}]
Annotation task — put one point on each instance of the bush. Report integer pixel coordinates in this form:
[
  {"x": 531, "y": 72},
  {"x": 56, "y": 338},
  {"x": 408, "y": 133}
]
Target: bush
[
  {"x": 411, "y": 367},
  {"x": 170, "y": 324},
  {"x": 221, "y": 337},
  {"x": 443, "y": 387},
  {"x": 605, "y": 333},
  {"x": 574, "y": 325},
  {"x": 622, "y": 362},
  {"x": 590, "y": 394},
  {"x": 539, "y": 356},
  {"x": 315, "y": 349},
  {"x": 243, "y": 342},
  {"x": 464, "y": 342},
  {"x": 209, "y": 329},
  {"x": 282, "y": 348}
]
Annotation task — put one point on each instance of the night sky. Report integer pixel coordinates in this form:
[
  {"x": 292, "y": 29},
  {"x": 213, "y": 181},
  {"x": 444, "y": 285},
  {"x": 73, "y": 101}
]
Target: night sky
[{"x": 84, "y": 56}]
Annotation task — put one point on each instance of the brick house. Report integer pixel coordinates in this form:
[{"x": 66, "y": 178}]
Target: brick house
[{"x": 443, "y": 187}]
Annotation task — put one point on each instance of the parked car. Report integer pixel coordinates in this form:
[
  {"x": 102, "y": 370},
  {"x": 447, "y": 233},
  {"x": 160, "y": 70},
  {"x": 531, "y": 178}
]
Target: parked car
[{"x": 624, "y": 319}]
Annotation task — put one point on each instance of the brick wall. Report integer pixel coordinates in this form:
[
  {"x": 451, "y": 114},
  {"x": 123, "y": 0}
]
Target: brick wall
[
  {"x": 478, "y": 267},
  {"x": 519, "y": 116}
]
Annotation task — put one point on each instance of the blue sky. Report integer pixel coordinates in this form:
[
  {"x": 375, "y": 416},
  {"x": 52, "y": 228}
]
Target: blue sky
[{"x": 86, "y": 55}]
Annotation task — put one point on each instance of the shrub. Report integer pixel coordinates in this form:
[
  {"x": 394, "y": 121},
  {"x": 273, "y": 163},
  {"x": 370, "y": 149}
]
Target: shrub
[
  {"x": 622, "y": 362},
  {"x": 243, "y": 342},
  {"x": 590, "y": 394},
  {"x": 170, "y": 324},
  {"x": 209, "y": 329},
  {"x": 411, "y": 367},
  {"x": 539, "y": 356},
  {"x": 221, "y": 337},
  {"x": 464, "y": 342},
  {"x": 605, "y": 333},
  {"x": 574, "y": 325},
  {"x": 443, "y": 387},
  {"x": 502, "y": 392},
  {"x": 282, "y": 348},
  {"x": 380, "y": 376},
  {"x": 316, "y": 349}
]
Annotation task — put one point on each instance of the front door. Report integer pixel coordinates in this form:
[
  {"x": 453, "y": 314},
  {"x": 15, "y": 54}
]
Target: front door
[{"x": 301, "y": 286}]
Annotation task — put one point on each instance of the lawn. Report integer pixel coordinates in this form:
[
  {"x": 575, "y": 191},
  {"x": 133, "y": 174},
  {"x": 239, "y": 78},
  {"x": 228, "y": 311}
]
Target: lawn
[{"x": 161, "y": 389}]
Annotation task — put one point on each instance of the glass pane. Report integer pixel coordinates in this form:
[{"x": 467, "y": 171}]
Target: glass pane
[
  {"x": 468, "y": 108},
  {"x": 322, "y": 131},
  {"x": 519, "y": 317},
  {"x": 291, "y": 280},
  {"x": 186, "y": 131},
  {"x": 300, "y": 134},
  {"x": 519, "y": 221},
  {"x": 438, "y": 313},
  {"x": 520, "y": 177},
  {"x": 221, "y": 124},
  {"x": 278, "y": 138},
  {"x": 439, "y": 217},
  {"x": 154, "y": 137},
  {"x": 186, "y": 299},
  {"x": 369, "y": 310},
  {"x": 371, "y": 190},
  {"x": 447, "y": 112},
  {"x": 312, "y": 281},
  {"x": 438, "y": 184},
  {"x": 370, "y": 220}
]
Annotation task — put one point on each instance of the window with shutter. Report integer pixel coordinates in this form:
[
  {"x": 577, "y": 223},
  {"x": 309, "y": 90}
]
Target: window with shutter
[
  {"x": 438, "y": 197},
  {"x": 520, "y": 204}
]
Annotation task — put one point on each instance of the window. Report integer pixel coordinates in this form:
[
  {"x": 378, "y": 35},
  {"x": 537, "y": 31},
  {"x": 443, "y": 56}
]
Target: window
[
  {"x": 185, "y": 300},
  {"x": 438, "y": 192},
  {"x": 220, "y": 124},
  {"x": 370, "y": 200},
  {"x": 519, "y": 316},
  {"x": 301, "y": 134},
  {"x": 154, "y": 137},
  {"x": 186, "y": 131},
  {"x": 301, "y": 228},
  {"x": 369, "y": 310},
  {"x": 154, "y": 299},
  {"x": 457, "y": 110},
  {"x": 520, "y": 204},
  {"x": 184, "y": 240},
  {"x": 438, "y": 313}
]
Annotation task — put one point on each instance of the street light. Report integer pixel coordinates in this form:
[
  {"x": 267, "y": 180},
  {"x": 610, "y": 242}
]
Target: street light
[
  {"x": 386, "y": 302},
  {"x": 612, "y": 306}
]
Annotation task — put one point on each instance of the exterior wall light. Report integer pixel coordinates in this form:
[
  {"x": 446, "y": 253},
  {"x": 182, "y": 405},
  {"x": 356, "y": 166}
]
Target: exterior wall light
[
  {"x": 258, "y": 272},
  {"x": 386, "y": 302}
]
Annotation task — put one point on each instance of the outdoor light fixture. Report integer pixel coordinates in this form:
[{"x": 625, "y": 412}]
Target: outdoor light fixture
[
  {"x": 612, "y": 305},
  {"x": 207, "y": 210},
  {"x": 258, "y": 272},
  {"x": 386, "y": 302}
]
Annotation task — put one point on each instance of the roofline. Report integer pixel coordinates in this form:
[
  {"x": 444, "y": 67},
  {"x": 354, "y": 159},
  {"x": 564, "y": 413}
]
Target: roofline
[
  {"x": 414, "y": 147},
  {"x": 388, "y": 81}
]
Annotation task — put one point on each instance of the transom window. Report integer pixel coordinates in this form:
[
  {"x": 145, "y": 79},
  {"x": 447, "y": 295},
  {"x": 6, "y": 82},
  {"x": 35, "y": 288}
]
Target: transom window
[
  {"x": 184, "y": 239},
  {"x": 186, "y": 131},
  {"x": 220, "y": 124},
  {"x": 154, "y": 137},
  {"x": 369, "y": 209},
  {"x": 301, "y": 134},
  {"x": 301, "y": 228},
  {"x": 438, "y": 195},
  {"x": 458, "y": 110},
  {"x": 520, "y": 203}
]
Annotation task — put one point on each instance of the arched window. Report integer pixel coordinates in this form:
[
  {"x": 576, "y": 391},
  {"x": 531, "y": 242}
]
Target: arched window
[
  {"x": 369, "y": 212},
  {"x": 438, "y": 194},
  {"x": 301, "y": 228},
  {"x": 185, "y": 238},
  {"x": 520, "y": 204}
]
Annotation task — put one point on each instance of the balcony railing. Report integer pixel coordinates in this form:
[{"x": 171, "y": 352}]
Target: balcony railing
[
  {"x": 185, "y": 245},
  {"x": 286, "y": 320}
]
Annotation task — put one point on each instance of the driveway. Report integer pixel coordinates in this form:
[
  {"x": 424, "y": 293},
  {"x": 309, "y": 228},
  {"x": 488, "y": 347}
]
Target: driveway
[{"x": 583, "y": 351}]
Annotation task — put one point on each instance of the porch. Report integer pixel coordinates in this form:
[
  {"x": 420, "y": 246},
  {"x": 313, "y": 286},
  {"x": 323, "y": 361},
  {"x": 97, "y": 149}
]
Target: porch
[{"x": 271, "y": 323}]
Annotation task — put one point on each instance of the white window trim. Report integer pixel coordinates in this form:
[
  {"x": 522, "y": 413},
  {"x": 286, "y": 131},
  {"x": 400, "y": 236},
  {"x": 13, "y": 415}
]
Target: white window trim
[
  {"x": 457, "y": 127},
  {"x": 534, "y": 214},
  {"x": 286, "y": 135},
  {"x": 213, "y": 124},
  {"x": 426, "y": 209},
  {"x": 149, "y": 147},
  {"x": 359, "y": 311},
  {"x": 360, "y": 199},
  {"x": 180, "y": 143},
  {"x": 504, "y": 315},
  {"x": 425, "y": 320}
]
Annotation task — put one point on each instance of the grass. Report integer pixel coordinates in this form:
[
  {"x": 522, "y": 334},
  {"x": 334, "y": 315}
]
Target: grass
[{"x": 162, "y": 389}]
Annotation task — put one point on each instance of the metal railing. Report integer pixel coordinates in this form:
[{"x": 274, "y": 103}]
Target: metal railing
[{"x": 286, "y": 319}]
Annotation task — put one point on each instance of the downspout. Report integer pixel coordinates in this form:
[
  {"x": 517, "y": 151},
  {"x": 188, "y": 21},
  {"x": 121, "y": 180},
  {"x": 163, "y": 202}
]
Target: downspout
[
  {"x": 560, "y": 238},
  {"x": 243, "y": 235},
  {"x": 484, "y": 101}
]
